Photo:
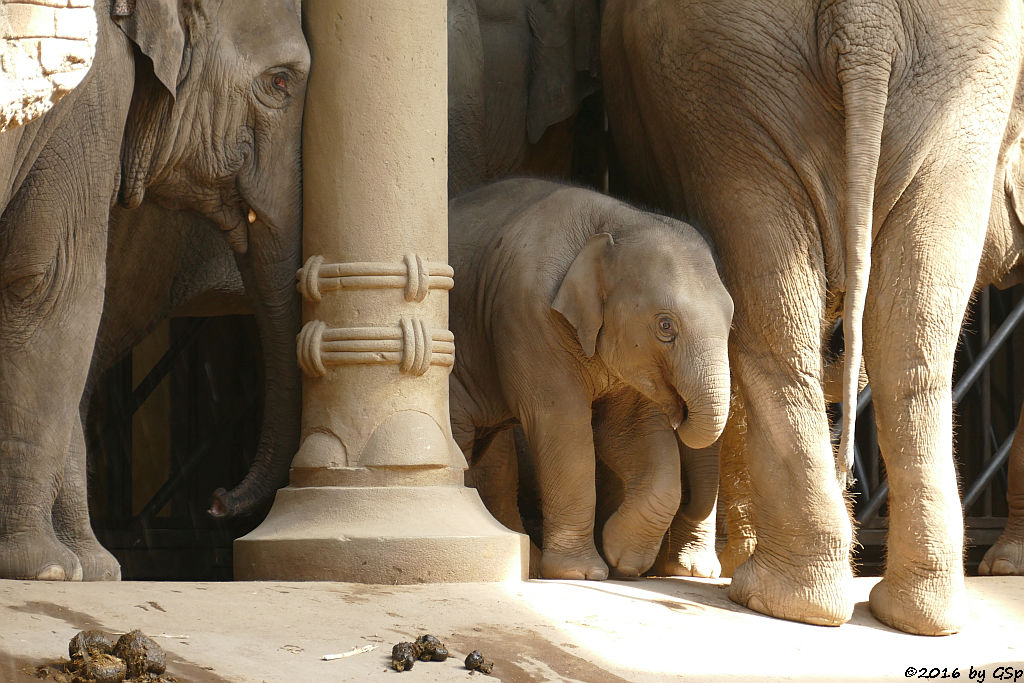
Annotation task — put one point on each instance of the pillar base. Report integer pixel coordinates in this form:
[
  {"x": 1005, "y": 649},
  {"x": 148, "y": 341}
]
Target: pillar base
[{"x": 382, "y": 535}]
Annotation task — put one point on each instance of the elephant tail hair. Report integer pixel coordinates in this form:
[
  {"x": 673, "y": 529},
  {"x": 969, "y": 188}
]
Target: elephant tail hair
[{"x": 864, "y": 77}]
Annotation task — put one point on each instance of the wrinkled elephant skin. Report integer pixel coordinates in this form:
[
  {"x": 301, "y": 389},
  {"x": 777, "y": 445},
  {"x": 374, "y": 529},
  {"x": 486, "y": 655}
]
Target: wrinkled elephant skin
[
  {"x": 207, "y": 101},
  {"x": 566, "y": 298},
  {"x": 736, "y": 116}
]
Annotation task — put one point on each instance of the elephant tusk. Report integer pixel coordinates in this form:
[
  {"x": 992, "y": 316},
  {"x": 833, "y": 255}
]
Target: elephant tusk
[{"x": 252, "y": 216}]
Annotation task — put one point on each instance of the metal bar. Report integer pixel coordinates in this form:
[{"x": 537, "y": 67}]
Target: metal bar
[
  {"x": 986, "y": 391},
  {"x": 981, "y": 483},
  {"x": 1001, "y": 335},
  {"x": 163, "y": 366},
  {"x": 116, "y": 435},
  {"x": 859, "y": 473},
  {"x": 164, "y": 494}
]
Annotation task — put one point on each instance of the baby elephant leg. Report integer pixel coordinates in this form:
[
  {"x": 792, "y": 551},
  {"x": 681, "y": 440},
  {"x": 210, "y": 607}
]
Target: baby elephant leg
[
  {"x": 689, "y": 548},
  {"x": 494, "y": 474},
  {"x": 562, "y": 450},
  {"x": 637, "y": 442}
]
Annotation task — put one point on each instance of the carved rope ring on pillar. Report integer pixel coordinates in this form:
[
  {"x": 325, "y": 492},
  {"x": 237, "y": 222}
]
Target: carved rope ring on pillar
[
  {"x": 309, "y": 278},
  {"x": 416, "y": 276},
  {"x": 310, "y": 343},
  {"x": 412, "y": 346}
]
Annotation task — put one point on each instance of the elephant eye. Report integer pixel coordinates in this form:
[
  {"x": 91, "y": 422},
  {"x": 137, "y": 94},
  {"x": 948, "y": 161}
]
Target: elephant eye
[
  {"x": 666, "y": 329},
  {"x": 280, "y": 81}
]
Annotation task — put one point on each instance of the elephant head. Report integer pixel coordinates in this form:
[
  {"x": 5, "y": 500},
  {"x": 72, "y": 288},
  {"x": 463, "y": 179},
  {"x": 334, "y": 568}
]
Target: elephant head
[
  {"x": 650, "y": 304},
  {"x": 516, "y": 68},
  {"x": 215, "y": 128}
]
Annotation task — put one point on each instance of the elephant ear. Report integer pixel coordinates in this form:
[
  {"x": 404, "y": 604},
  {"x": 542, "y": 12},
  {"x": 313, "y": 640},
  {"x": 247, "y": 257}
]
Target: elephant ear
[
  {"x": 1013, "y": 182},
  {"x": 155, "y": 26},
  {"x": 564, "y": 47},
  {"x": 580, "y": 297}
]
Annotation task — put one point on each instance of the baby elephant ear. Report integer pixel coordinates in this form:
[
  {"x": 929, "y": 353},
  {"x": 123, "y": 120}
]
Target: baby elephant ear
[{"x": 580, "y": 297}]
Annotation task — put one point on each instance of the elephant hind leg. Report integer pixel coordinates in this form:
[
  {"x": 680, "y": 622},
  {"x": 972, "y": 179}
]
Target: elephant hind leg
[
  {"x": 495, "y": 476},
  {"x": 1006, "y": 556},
  {"x": 921, "y": 303},
  {"x": 71, "y": 516}
]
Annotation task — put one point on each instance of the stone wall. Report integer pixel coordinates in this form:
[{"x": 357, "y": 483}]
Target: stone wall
[{"x": 46, "y": 48}]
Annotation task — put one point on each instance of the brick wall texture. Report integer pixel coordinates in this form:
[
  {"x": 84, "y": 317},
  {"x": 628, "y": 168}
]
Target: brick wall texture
[{"x": 46, "y": 48}]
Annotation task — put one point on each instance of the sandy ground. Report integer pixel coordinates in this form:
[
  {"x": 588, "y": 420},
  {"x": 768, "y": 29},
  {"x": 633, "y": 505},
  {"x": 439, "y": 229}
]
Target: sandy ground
[{"x": 640, "y": 630}]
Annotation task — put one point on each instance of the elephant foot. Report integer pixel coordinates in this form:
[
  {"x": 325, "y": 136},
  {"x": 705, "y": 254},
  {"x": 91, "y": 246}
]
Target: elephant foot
[
  {"x": 1006, "y": 557},
  {"x": 97, "y": 562},
  {"x": 37, "y": 555},
  {"x": 630, "y": 552},
  {"x": 735, "y": 553},
  {"x": 582, "y": 564},
  {"x": 817, "y": 593},
  {"x": 699, "y": 562},
  {"x": 936, "y": 606}
]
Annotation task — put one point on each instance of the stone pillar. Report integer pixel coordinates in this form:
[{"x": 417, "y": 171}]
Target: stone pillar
[{"x": 376, "y": 492}]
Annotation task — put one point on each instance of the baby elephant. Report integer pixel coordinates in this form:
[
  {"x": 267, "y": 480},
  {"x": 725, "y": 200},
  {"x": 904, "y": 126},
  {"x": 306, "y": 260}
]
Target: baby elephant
[{"x": 566, "y": 302}]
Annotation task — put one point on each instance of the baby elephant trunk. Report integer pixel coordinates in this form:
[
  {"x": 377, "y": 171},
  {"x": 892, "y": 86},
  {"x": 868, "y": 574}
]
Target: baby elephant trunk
[{"x": 704, "y": 386}]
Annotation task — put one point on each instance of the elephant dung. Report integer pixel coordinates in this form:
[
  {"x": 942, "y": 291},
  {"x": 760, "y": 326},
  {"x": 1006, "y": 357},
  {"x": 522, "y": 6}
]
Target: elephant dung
[
  {"x": 476, "y": 662},
  {"x": 87, "y": 643},
  {"x": 141, "y": 654},
  {"x": 403, "y": 656}
]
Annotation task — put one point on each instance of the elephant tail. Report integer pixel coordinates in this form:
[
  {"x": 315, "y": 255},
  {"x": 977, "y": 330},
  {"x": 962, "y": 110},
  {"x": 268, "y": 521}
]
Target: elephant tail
[{"x": 864, "y": 77}]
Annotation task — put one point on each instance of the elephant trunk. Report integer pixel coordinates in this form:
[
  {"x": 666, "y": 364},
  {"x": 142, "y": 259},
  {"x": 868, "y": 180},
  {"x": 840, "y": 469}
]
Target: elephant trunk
[
  {"x": 270, "y": 285},
  {"x": 705, "y": 388},
  {"x": 701, "y": 471}
]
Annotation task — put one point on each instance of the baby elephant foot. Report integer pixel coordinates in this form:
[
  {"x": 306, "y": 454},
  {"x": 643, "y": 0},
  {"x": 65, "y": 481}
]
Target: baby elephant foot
[
  {"x": 582, "y": 564},
  {"x": 818, "y": 594},
  {"x": 37, "y": 555},
  {"x": 699, "y": 562},
  {"x": 934, "y": 606},
  {"x": 1006, "y": 557},
  {"x": 630, "y": 552},
  {"x": 734, "y": 554}
]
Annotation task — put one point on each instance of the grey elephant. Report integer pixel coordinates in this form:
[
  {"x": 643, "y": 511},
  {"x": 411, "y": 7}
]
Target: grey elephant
[
  {"x": 841, "y": 157},
  {"x": 517, "y": 72},
  {"x": 572, "y": 307},
  {"x": 194, "y": 106}
]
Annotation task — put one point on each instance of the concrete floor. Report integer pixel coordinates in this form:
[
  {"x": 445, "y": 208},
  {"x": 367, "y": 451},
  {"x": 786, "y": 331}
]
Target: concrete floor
[{"x": 640, "y": 630}]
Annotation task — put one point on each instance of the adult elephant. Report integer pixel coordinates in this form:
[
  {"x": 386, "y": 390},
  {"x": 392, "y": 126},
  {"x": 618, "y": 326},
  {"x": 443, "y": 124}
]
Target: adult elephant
[
  {"x": 841, "y": 155},
  {"x": 517, "y": 72},
  {"x": 1002, "y": 264},
  {"x": 195, "y": 106}
]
